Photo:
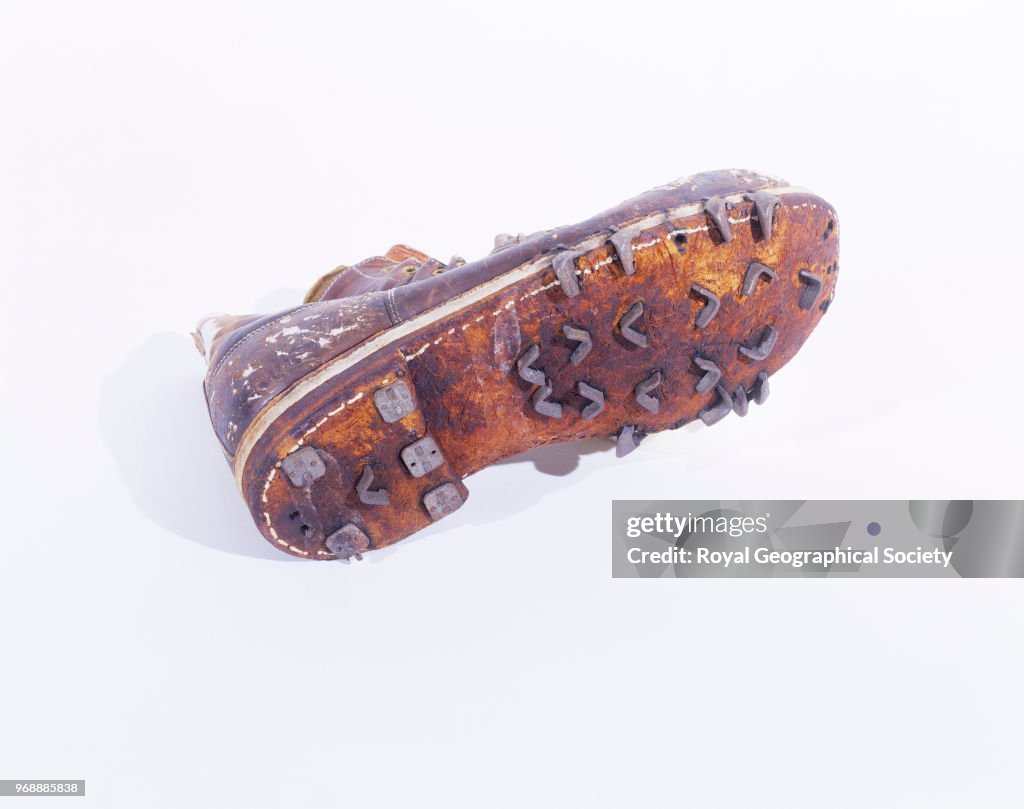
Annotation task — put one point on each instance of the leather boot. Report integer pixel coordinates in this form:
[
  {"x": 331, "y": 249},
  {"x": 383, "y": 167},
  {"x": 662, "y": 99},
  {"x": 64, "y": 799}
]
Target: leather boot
[{"x": 351, "y": 419}]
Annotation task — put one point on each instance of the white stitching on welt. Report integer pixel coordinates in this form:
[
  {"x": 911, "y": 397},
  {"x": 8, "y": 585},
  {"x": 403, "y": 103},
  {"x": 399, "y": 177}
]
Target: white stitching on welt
[
  {"x": 537, "y": 291},
  {"x": 703, "y": 228},
  {"x": 266, "y": 486}
]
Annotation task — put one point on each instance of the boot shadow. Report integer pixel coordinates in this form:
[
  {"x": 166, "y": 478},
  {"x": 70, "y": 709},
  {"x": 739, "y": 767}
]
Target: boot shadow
[
  {"x": 489, "y": 499},
  {"x": 559, "y": 460},
  {"x": 153, "y": 419},
  {"x": 154, "y": 422}
]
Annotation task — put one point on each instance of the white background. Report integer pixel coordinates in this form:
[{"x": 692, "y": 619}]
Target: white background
[{"x": 161, "y": 161}]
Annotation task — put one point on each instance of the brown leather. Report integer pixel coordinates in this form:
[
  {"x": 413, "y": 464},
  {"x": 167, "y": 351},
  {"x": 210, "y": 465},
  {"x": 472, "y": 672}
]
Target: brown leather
[
  {"x": 308, "y": 379},
  {"x": 251, "y": 363},
  {"x": 400, "y": 265}
]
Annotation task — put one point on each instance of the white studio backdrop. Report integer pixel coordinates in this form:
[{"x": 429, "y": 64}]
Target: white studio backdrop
[{"x": 160, "y": 161}]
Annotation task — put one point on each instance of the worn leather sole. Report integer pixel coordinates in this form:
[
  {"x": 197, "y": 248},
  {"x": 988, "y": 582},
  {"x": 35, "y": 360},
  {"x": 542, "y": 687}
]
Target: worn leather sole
[{"x": 676, "y": 316}]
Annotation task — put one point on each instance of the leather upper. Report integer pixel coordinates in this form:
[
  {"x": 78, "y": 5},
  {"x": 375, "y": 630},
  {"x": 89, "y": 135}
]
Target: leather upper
[
  {"x": 251, "y": 363},
  {"x": 400, "y": 265}
]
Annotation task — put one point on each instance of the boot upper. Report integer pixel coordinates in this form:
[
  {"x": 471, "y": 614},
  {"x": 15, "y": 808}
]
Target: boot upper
[{"x": 254, "y": 359}]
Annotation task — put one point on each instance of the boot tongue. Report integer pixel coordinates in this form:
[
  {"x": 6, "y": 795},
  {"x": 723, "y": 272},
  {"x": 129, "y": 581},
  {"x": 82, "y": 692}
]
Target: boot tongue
[
  {"x": 401, "y": 252},
  {"x": 400, "y": 265}
]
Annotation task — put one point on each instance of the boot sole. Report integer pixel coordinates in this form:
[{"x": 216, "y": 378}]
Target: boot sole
[{"x": 677, "y": 317}]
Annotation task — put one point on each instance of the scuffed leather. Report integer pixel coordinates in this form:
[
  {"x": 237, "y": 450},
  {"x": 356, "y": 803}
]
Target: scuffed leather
[{"x": 255, "y": 362}]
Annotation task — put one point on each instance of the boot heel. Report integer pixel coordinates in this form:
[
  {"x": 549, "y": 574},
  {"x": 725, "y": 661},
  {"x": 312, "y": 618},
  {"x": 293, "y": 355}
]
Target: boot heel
[{"x": 362, "y": 467}]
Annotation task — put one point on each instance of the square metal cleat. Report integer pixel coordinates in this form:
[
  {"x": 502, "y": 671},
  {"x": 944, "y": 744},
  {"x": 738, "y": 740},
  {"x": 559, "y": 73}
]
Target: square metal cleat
[
  {"x": 422, "y": 456},
  {"x": 394, "y": 401},
  {"x": 442, "y": 501},
  {"x": 303, "y": 467},
  {"x": 348, "y": 541}
]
